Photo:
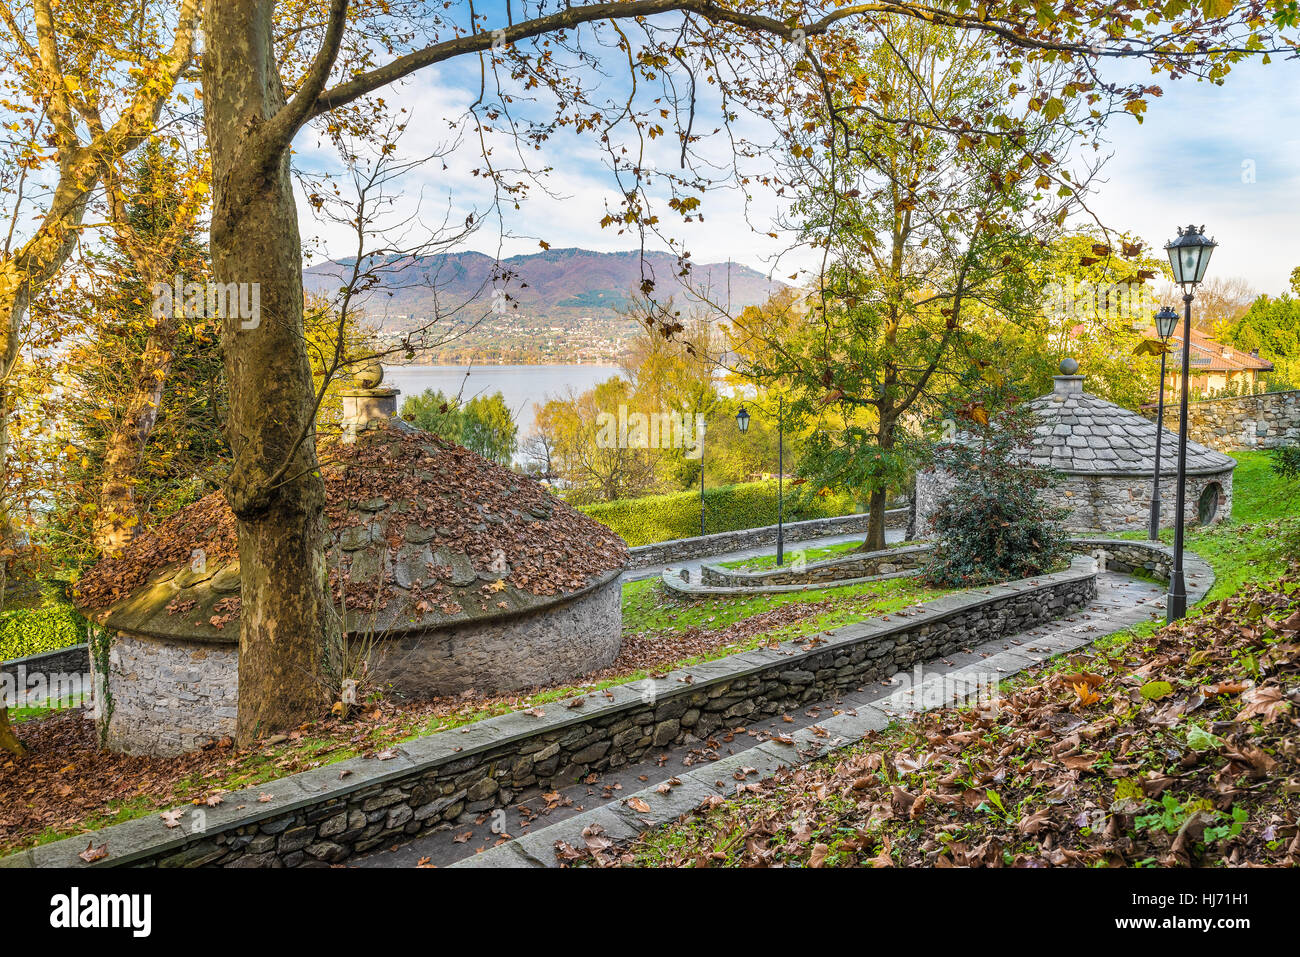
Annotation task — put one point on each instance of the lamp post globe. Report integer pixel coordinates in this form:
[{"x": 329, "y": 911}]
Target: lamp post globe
[
  {"x": 1166, "y": 321},
  {"x": 742, "y": 420},
  {"x": 1189, "y": 256}
]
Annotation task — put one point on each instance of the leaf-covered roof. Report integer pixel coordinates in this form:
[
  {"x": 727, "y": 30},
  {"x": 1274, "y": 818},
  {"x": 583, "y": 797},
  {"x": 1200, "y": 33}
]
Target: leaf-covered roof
[{"x": 422, "y": 533}]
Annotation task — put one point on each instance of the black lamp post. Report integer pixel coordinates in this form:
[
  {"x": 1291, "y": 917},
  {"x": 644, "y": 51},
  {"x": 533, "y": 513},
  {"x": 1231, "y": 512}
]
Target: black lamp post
[
  {"x": 742, "y": 423},
  {"x": 700, "y": 438},
  {"x": 1166, "y": 320},
  {"x": 1189, "y": 255}
]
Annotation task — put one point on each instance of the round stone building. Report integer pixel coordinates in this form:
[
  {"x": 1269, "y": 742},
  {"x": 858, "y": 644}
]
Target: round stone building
[
  {"x": 1107, "y": 455},
  {"x": 463, "y": 573}
]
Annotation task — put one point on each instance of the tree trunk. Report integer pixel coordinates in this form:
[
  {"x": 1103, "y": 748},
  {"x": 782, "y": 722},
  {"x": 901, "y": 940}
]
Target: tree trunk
[
  {"x": 117, "y": 520},
  {"x": 875, "y": 540},
  {"x": 8, "y": 740},
  {"x": 13, "y": 307},
  {"x": 254, "y": 237}
]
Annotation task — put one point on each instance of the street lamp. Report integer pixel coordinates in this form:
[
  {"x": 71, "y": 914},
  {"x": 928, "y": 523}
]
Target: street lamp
[
  {"x": 742, "y": 420},
  {"x": 1189, "y": 255},
  {"x": 742, "y": 423},
  {"x": 700, "y": 438},
  {"x": 1166, "y": 320}
]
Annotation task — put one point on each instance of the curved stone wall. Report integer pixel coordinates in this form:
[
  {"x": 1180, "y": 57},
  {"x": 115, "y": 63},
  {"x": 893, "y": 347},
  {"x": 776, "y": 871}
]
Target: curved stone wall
[
  {"x": 853, "y": 565},
  {"x": 166, "y": 696},
  {"x": 719, "y": 543},
  {"x": 1105, "y": 503},
  {"x": 556, "y": 643}
]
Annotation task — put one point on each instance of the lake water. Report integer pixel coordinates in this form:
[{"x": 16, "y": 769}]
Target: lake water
[{"x": 521, "y": 386}]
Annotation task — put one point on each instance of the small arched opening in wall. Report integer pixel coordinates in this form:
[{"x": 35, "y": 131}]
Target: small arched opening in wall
[{"x": 1207, "y": 506}]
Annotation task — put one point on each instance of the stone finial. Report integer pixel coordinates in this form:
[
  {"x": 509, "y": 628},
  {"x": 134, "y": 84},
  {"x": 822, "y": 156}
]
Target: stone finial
[
  {"x": 1067, "y": 383},
  {"x": 366, "y": 404},
  {"x": 369, "y": 376}
]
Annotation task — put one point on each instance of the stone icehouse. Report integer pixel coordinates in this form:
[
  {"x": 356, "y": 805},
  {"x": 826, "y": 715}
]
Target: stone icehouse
[
  {"x": 1107, "y": 455},
  {"x": 464, "y": 573}
]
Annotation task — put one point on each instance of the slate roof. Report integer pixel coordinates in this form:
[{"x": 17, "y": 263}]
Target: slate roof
[
  {"x": 422, "y": 534},
  {"x": 1079, "y": 433}
]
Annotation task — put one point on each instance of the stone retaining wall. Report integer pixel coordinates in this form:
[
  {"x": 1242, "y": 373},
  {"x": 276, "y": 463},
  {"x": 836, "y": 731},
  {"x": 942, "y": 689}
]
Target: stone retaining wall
[
  {"x": 1129, "y": 557},
  {"x": 53, "y": 675},
  {"x": 862, "y": 565},
  {"x": 326, "y": 815},
  {"x": 706, "y": 546},
  {"x": 1239, "y": 422}
]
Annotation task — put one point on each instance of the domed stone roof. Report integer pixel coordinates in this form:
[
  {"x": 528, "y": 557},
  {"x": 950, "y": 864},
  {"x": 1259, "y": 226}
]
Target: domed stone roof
[
  {"x": 422, "y": 534},
  {"x": 1079, "y": 433}
]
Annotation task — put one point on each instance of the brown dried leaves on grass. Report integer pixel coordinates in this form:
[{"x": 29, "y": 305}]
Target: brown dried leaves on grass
[{"x": 1154, "y": 753}]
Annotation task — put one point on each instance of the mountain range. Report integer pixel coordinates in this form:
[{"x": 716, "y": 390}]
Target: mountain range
[{"x": 558, "y": 284}]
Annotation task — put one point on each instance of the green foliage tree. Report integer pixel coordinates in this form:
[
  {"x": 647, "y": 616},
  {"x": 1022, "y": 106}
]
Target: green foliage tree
[
  {"x": 147, "y": 399},
  {"x": 483, "y": 425},
  {"x": 1271, "y": 326},
  {"x": 1093, "y": 299},
  {"x": 922, "y": 229},
  {"x": 597, "y": 461}
]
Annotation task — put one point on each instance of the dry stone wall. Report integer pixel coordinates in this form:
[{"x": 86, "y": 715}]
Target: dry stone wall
[
  {"x": 706, "y": 546},
  {"x": 1241, "y": 422},
  {"x": 867, "y": 564}
]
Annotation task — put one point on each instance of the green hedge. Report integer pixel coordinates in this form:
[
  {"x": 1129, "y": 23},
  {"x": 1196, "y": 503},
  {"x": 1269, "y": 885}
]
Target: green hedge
[
  {"x": 30, "y": 631},
  {"x": 729, "y": 508}
]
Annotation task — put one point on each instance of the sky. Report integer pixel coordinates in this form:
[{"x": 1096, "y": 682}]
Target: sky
[{"x": 1224, "y": 156}]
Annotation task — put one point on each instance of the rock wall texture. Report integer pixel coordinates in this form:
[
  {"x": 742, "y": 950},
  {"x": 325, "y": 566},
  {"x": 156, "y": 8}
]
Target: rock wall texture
[
  {"x": 1107, "y": 503},
  {"x": 705, "y": 546},
  {"x": 1242, "y": 422},
  {"x": 322, "y": 816},
  {"x": 167, "y": 696},
  {"x": 554, "y": 644},
  {"x": 51, "y": 675}
]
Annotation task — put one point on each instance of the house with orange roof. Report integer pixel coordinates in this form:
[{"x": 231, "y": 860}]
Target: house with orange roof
[{"x": 1215, "y": 367}]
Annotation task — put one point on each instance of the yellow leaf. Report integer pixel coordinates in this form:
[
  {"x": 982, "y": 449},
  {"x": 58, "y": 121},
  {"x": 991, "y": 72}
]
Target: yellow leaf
[{"x": 1151, "y": 347}]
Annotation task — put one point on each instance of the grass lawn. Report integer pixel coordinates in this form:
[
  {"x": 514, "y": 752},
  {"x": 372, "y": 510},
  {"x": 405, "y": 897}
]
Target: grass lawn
[
  {"x": 810, "y": 555},
  {"x": 647, "y": 609}
]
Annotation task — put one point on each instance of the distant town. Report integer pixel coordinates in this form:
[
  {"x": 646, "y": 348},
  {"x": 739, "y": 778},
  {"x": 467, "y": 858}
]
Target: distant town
[{"x": 516, "y": 339}]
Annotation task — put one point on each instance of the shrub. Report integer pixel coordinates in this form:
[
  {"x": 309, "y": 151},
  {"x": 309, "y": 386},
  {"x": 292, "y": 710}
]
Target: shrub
[
  {"x": 30, "y": 631},
  {"x": 992, "y": 524},
  {"x": 1286, "y": 461},
  {"x": 729, "y": 508}
]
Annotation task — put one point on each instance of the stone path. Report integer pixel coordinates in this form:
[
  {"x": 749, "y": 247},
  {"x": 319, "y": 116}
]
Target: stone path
[
  {"x": 715, "y": 766},
  {"x": 654, "y": 571}
]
